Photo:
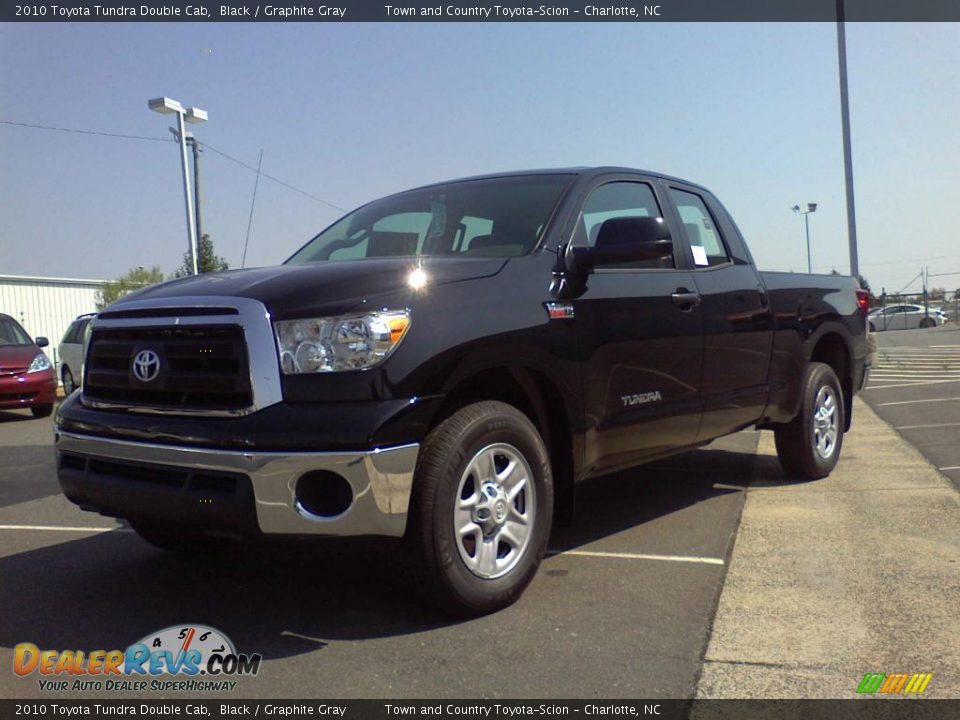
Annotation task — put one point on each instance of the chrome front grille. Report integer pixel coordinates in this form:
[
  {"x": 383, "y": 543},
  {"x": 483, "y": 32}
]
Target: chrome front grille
[{"x": 217, "y": 356}]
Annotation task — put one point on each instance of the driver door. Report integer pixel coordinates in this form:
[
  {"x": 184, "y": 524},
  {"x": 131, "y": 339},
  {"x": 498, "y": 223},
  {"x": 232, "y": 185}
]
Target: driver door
[{"x": 643, "y": 349}]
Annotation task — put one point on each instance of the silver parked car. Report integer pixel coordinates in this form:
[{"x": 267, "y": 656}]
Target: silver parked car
[
  {"x": 905, "y": 317},
  {"x": 71, "y": 351}
]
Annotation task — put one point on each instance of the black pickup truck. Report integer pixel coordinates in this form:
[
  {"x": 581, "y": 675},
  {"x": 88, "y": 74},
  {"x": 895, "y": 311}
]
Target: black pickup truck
[{"x": 444, "y": 365}]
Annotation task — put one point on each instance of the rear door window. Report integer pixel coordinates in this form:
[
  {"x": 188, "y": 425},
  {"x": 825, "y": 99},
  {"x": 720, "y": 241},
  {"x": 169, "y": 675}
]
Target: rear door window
[{"x": 701, "y": 229}]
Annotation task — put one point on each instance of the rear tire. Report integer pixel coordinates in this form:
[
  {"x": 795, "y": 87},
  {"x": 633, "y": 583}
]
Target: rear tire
[
  {"x": 481, "y": 509},
  {"x": 809, "y": 446},
  {"x": 873, "y": 328},
  {"x": 40, "y": 411}
]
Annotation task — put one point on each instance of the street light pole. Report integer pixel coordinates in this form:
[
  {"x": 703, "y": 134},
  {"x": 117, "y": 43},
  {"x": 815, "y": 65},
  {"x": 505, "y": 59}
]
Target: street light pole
[
  {"x": 187, "y": 194},
  {"x": 847, "y": 153},
  {"x": 811, "y": 207},
  {"x": 166, "y": 106}
]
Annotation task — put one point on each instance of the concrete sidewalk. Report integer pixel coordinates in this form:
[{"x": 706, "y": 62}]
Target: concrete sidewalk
[{"x": 856, "y": 573}]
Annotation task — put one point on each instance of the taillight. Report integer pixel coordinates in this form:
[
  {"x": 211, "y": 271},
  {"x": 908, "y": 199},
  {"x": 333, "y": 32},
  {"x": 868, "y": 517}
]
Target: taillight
[{"x": 863, "y": 302}]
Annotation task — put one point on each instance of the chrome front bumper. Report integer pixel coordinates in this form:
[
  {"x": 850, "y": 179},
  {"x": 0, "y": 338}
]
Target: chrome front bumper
[{"x": 381, "y": 481}]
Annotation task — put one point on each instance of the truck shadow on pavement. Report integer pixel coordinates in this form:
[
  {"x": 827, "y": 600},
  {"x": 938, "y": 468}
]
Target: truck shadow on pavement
[{"x": 287, "y": 598}]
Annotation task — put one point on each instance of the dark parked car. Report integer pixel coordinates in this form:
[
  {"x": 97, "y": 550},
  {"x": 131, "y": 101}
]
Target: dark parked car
[
  {"x": 445, "y": 364},
  {"x": 27, "y": 379}
]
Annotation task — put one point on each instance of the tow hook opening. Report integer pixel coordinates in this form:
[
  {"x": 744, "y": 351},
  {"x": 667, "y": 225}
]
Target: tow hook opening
[{"x": 323, "y": 493}]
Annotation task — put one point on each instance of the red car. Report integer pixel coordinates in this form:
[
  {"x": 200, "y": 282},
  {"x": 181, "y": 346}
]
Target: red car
[{"x": 27, "y": 379}]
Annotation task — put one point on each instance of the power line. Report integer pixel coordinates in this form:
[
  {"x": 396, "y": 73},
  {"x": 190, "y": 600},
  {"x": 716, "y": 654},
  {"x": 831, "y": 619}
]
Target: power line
[
  {"x": 270, "y": 177},
  {"x": 916, "y": 277},
  {"x": 160, "y": 139},
  {"x": 84, "y": 132},
  {"x": 910, "y": 260},
  {"x": 246, "y": 241}
]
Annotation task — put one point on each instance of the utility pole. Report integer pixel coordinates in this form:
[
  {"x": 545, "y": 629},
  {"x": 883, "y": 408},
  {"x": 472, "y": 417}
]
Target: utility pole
[
  {"x": 847, "y": 153},
  {"x": 197, "y": 149}
]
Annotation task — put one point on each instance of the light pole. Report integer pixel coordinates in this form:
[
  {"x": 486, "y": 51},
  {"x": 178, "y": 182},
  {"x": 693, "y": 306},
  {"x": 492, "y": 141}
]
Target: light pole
[
  {"x": 811, "y": 207},
  {"x": 166, "y": 106},
  {"x": 847, "y": 152}
]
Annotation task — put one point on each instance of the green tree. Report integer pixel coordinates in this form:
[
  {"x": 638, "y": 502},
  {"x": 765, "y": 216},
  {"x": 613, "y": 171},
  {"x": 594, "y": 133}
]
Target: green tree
[
  {"x": 207, "y": 260},
  {"x": 134, "y": 279}
]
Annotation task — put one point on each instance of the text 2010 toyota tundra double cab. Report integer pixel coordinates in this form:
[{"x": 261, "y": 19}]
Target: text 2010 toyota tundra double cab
[{"x": 445, "y": 364}]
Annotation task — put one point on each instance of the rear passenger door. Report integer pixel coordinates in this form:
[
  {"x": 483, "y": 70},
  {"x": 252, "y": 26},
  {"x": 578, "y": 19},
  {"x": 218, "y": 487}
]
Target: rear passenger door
[
  {"x": 737, "y": 321},
  {"x": 643, "y": 348}
]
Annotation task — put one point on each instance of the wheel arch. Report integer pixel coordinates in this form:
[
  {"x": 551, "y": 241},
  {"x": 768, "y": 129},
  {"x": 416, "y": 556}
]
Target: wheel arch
[
  {"x": 539, "y": 398},
  {"x": 832, "y": 349}
]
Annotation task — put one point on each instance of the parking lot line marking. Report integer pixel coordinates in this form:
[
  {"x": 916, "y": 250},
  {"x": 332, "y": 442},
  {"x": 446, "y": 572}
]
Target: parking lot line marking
[
  {"x": 923, "y": 427},
  {"x": 638, "y": 556},
  {"x": 908, "y": 402},
  {"x": 950, "y": 467},
  {"x": 910, "y": 384},
  {"x": 919, "y": 375},
  {"x": 304, "y": 637},
  {"x": 727, "y": 486},
  {"x": 59, "y": 528}
]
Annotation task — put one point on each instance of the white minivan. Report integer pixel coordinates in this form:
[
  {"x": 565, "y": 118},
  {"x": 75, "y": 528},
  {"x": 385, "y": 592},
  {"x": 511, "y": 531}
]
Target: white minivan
[{"x": 71, "y": 350}]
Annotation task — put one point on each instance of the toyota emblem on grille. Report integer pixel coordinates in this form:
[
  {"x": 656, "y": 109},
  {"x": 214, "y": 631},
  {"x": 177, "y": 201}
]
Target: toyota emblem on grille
[{"x": 146, "y": 365}]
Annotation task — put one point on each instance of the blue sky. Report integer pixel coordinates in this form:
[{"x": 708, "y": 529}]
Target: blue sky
[{"x": 354, "y": 111}]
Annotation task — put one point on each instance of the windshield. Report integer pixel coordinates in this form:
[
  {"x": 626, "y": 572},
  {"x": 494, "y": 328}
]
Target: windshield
[
  {"x": 12, "y": 334},
  {"x": 498, "y": 217}
]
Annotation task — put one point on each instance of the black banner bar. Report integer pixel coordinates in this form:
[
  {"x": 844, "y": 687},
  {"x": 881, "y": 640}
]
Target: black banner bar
[
  {"x": 465, "y": 11},
  {"x": 864, "y": 709}
]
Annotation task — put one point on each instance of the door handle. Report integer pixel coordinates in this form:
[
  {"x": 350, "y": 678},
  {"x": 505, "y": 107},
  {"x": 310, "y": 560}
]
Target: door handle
[{"x": 685, "y": 300}]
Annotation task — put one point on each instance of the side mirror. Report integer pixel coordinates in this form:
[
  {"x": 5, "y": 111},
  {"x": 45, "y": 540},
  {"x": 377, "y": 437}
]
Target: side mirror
[
  {"x": 626, "y": 239},
  {"x": 41, "y": 341}
]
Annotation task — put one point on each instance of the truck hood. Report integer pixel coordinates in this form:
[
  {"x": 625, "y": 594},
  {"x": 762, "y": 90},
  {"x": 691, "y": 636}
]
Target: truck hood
[{"x": 289, "y": 290}]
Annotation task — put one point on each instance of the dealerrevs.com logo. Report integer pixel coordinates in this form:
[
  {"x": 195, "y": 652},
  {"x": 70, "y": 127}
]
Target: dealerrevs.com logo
[{"x": 202, "y": 656}]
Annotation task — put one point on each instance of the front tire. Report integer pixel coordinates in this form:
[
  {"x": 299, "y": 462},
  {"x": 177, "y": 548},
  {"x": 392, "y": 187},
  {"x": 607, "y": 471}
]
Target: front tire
[
  {"x": 809, "y": 446},
  {"x": 481, "y": 509},
  {"x": 927, "y": 323},
  {"x": 41, "y": 411},
  {"x": 68, "y": 383}
]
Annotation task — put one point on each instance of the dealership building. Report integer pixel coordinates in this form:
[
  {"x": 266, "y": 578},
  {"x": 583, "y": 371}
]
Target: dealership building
[{"x": 46, "y": 306}]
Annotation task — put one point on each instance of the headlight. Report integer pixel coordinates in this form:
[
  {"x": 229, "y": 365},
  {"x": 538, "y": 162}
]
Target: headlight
[
  {"x": 40, "y": 362},
  {"x": 335, "y": 344}
]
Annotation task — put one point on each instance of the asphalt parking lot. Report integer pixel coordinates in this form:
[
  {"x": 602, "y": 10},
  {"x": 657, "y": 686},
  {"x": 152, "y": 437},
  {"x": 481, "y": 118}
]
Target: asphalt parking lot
[
  {"x": 705, "y": 575},
  {"x": 627, "y": 602},
  {"x": 916, "y": 388}
]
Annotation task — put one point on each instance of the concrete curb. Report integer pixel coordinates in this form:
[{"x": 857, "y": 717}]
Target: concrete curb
[{"x": 855, "y": 573}]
